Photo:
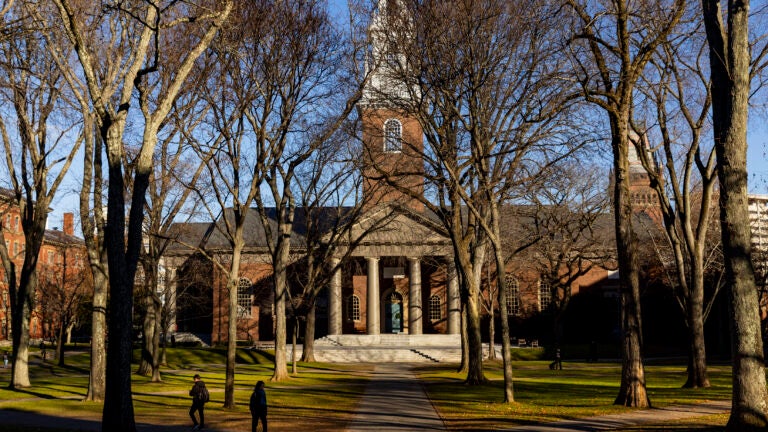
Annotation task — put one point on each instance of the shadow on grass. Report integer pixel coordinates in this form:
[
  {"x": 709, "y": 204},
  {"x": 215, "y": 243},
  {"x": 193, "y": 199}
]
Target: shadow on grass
[
  {"x": 256, "y": 357},
  {"x": 18, "y": 420},
  {"x": 36, "y": 394}
]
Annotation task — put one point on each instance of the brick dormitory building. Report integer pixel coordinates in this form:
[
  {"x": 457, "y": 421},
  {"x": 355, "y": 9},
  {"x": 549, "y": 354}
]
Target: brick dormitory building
[{"x": 62, "y": 267}]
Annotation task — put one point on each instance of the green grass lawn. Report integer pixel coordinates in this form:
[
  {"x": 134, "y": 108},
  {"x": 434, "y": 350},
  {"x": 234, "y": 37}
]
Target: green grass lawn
[
  {"x": 320, "y": 397},
  {"x": 323, "y": 396},
  {"x": 543, "y": 395}
]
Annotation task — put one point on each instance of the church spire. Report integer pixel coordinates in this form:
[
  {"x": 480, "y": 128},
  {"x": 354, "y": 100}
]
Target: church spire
[
  {"x": 386, "y": 61},
  {"x": 393, "y": 165}
]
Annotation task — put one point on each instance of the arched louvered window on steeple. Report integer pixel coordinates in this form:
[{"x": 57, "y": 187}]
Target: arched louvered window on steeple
[{"x": 393, "y": 136}]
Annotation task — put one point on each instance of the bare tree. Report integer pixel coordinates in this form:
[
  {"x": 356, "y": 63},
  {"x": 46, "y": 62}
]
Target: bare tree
[
  {"x": 568, "y": 216},
  {"x": 470, "y": 79},
  {"x": 612, "y": 44},
  {"x": 168, "y": 199},
  {"x": 63, "y": 289},
  {"x": 678, "y": 96},
  {"x": 731, "y": 73},
  {"x": 92, "y": 221},
  {"x": 269, "y": 102},
  {"x": 325, "y": 183},
  {"x": 112, "y": 71},
  {"x": 38, "y": 152},
  {"x": 302, "y": 102}
]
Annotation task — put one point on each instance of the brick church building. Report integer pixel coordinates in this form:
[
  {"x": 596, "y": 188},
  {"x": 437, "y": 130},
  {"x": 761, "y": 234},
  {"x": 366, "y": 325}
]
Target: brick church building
[{"x": 401, "y": 279}]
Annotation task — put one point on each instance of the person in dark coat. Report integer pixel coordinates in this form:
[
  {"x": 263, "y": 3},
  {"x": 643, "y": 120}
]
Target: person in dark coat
[
  {"x": 198, "y": 404},
  {"x": 258, "y": 406}
]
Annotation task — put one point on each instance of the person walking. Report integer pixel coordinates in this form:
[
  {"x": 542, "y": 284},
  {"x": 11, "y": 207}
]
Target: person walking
[
  {"x": 258, "y": 406},
  {"x": 200, "y": 396},
  {"x": 558, "y": 362},
  {"x": 5, "y": 360}
]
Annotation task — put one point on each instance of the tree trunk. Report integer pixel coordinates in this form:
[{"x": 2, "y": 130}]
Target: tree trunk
[
  {"x": 697, "y": 364},
  {"x": 22, "y": 297},
  {"x": 60, "y": 344},
  {"x": 294, "y": 337},
  {"x": 232, "y": 284},
  {"x": 464, "y": 364},
  {"x": 156, "y": 353},
  {"x": 118, "y": 414},
  {"x": 70, "y": 327},
  {"x": 729, "y": 58},
  {"x": 632, "y": 392},
  {"x": 281, "y": 286},
  {"x": 491, "y": 333},
  {"x": 19, "y": 342},
  {"x": 97, "y": 377},
  {"x": 91, "y": 220},
  {"x": 148, "y": 332},
  {"x": 308, "y": 354},
  {"x": 475, "y": 375},
  {"x": 150, "y": 348},
  {"x": 506, "y": 348},
  {"x": 749, "y": 410}
]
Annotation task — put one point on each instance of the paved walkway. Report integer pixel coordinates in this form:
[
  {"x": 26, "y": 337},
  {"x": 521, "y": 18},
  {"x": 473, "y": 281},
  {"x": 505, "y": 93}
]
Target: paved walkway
[{"x": 394, "y": 400}]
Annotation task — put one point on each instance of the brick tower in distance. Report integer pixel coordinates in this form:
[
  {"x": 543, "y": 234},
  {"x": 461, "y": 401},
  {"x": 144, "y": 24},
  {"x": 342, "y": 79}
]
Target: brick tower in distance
[
  {"x": 393, "y": 164},
  {"x": 643, "y": 196}
]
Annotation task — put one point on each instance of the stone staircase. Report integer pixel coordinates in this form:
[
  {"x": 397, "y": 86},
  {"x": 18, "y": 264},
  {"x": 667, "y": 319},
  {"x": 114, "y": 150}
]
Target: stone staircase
[{"x": 388, "y": 348}]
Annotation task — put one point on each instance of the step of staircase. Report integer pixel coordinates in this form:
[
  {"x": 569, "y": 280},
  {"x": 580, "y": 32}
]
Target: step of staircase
[
  {"x": 403, "y": 340},
  {"x": 387, "y": 348}
]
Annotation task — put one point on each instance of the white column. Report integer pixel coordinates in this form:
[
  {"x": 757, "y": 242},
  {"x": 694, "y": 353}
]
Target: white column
[
  {"x": 334, "y": 299},
  {"x": 415, "y": 311},
  {"x": 372, "y": 320},
  {"x": 454, "y": 301}
]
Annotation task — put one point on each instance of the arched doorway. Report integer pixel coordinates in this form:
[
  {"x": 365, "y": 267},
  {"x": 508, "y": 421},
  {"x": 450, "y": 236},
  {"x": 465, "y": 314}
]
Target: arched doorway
[{"x": 393, "y": 313}]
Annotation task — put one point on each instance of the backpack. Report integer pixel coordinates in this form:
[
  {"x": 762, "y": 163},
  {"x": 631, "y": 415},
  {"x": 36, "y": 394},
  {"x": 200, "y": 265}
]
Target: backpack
[{"x": 203, "y": 395}]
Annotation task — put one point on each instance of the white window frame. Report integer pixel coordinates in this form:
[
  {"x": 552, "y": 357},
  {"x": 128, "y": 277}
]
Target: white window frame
[
  {"x": 435, "y": 308},
  {"x": 244, "y": 298},
  {"x": 393, "y": 136},
  {"x": 545, "y": 295},
  {"x": 513, "y": 295},
  {"x": 353, "y": 308}
]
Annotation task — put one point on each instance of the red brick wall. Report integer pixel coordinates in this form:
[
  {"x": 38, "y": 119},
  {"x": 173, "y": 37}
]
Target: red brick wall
[
  {"x": 247, "y": 328},
  {"x": 405, "y": 168},
  {"x": 14, "y": 238}
]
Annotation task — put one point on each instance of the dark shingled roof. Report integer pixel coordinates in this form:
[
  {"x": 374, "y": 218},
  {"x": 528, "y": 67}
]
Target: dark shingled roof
[
  {"x": 210, "y": 235},
  {"x": 59, "y": 238}
]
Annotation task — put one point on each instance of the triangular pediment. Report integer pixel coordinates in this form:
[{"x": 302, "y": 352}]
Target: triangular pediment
[{"x": 398, "y": 231}]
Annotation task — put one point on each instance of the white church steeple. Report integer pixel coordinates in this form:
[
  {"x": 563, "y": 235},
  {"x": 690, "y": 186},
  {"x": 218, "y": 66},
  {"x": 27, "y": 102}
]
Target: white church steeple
[{"x": 386, "y": 61}]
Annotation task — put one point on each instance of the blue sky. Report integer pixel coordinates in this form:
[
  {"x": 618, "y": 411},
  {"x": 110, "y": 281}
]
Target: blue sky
[
  {"x": 757, "y": 154},
  {"x": 757, "y": 157}
]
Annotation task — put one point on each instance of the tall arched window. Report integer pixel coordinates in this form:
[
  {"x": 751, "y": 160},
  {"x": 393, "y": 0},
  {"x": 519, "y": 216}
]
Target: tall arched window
[
  {"x": 353, "y": 308},
  {"x": 244, "y": 301},
  {"x": 513, "y": 295},
  {"x": 435, "y": 308},
  {"x": 545, "y": 295},
  {"x": 393, "y": 136}
]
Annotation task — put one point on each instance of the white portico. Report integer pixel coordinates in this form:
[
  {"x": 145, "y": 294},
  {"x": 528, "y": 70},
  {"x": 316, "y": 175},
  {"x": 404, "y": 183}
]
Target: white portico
[{"x": 387, "y": 284}]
